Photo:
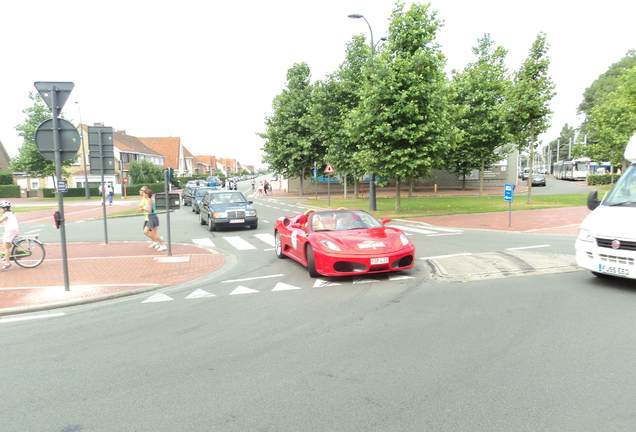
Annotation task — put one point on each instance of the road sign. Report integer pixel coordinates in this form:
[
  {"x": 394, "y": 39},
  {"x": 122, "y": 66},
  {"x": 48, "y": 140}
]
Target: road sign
[
  {"x": 329, "y": 169},
  {"x": 102, "y": 150},
  {"x": 46, "y": 90},
  {"x": 62, "y": 186},
  {"x": 69, "y": 140},
  {"x": 509, "y": 192}
]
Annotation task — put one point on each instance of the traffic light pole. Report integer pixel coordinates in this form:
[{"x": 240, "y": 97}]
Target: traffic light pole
[{"x": 103, "y": 186}]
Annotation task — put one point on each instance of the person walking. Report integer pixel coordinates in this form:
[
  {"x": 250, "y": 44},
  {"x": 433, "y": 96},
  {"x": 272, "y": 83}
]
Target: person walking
[
  {"x": 151, "y": 222},
  {"x": 11, "y": 231},
  {"x": 110, "y": 192},
  {"x": 260, "y": 189}
]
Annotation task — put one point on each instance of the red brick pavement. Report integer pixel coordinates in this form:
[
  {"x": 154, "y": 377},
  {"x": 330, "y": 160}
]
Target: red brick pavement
[{"x": 96, "y": 270}]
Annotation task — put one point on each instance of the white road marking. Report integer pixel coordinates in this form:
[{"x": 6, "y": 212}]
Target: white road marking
[
  {"x": 200, "y": 294},
  {"x": 239, "y": 243},
  {"x": 267, "y": 238},
  {"x": 243, "y": 290},
  {"x": 425, "y": 231},
  {"x": 157, "y": 298},
  {"x": 528, "y": 247},
  {"x": 445, "y": 256},
  {"x": 25, "y": 318},
  {"x": 361, "y": 280},
  {"x": 203, "y": 242},
  {"x": 323, "y": 283},
  {"x": 254, "y": 278},
  {"x": 399, "y": 277},
  {"x": 284, "y": 287}
]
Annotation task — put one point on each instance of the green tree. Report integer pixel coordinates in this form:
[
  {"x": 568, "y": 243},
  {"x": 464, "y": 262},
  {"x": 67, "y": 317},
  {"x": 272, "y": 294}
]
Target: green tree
[
  {"x": 332, "y": 101},
  {"x": 144, "y": 172},
  {"x": 29, "y": 159},
  {"x": 612, "y": 122},
  {"x": 480, "y": 90},
  {"x": 291, "y": 147},
  {"x": 404, "y": 124},
  {"x": 528, "y": 110}
]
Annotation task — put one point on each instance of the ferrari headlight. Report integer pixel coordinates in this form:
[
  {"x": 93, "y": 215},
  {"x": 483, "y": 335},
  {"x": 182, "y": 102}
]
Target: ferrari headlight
[
  {"x": 329, "y": 245},
  {"x": 404, "y": 239},
  {"x": 219, "y": 215},
  {"x": 251, "y": 212},
  {"x": 585, "y": 235}
]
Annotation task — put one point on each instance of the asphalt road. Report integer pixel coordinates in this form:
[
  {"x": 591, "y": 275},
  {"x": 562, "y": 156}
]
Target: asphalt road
[{"x": 270, "y": 349}]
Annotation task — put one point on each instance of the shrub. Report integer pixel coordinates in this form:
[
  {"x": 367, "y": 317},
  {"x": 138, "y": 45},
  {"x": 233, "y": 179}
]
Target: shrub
[{"x": 9, "y": 191}]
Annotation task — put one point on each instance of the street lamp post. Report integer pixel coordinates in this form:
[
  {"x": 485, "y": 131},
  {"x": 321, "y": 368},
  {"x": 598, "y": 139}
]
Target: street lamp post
[
  {"x": 372, "y": 201},
  {"x": 86, "y": 188}
]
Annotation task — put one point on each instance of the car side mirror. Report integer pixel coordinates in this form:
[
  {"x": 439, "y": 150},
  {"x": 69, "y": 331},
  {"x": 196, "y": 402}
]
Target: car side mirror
[
  {"x": 385, "y": 221},
  {"x": 250, "y": 202},
  {"x": 592, "y": 200}
]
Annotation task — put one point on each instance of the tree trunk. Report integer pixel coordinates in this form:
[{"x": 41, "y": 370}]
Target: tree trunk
[
  {"x": 530, "y": 163},
  {"x": 411, "y": 187},
  {"x": 481, "y": 177},
  {"x": 302, "y": 178},
  {"x": 356, "y": 187},
  {"x": 398, "y": 185}
]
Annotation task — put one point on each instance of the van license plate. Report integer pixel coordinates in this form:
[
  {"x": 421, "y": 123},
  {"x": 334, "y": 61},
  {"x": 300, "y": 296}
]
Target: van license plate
[
  {"x": 621, "y": 271},
  {"x": 379, "y": 261}
]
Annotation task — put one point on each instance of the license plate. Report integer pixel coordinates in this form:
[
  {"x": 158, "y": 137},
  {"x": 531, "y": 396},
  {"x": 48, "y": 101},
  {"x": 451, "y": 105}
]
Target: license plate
[
  {"x": 237, "y": 220},
  {"x": 621, "y": 271},
  {"x": 379, "y": 261}
]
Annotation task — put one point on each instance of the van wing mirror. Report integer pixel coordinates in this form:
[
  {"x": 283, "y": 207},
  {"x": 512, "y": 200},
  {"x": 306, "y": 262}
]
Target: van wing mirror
[{"x": 592, "y": 200}]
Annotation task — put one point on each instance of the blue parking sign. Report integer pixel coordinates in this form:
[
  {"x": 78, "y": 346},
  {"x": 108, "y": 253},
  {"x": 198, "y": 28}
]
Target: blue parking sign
[{"x": 509, "y": 192}]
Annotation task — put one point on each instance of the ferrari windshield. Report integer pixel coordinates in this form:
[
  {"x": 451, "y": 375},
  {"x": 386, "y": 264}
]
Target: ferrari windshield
[
  {"x": 341, "y": 220},
  {"x": 624, "y": 191}
]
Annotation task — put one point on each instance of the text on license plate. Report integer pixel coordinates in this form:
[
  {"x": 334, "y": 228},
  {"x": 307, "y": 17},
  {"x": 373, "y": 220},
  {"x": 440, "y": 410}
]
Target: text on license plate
[
  {"x": 384, "y": 260},
  {"x": 237, "y": 220},
  {"x": 613, "y": 270}
]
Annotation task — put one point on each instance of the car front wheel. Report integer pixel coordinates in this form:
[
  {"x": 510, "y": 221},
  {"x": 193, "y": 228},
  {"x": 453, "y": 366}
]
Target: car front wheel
[
  {"x": 211, "y": 226},
  {"x": 201, "y": 220},
  {"x": 278, "y": 246},
  {"x": 311, "y": 263}
]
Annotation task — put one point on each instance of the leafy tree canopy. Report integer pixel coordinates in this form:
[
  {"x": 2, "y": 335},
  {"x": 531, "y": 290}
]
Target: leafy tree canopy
[
  {"x": 29, "y": 159},
  {"x": 144, "y": 172}
]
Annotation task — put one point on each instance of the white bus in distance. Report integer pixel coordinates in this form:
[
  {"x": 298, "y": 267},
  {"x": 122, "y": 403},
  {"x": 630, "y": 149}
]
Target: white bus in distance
[
  {"x": 571, "y": 169},
  {"x": 606, "y": 244}
]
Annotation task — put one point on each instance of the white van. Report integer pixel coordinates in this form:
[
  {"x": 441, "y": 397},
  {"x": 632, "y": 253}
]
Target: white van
[{"x": 607, "y": 237}]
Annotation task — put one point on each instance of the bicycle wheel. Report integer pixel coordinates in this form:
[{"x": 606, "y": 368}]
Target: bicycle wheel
[{"x": 28, "y": 253}]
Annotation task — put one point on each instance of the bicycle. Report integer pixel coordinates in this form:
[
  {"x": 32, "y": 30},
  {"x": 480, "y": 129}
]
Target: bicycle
[{"x": 27, "y": 251}]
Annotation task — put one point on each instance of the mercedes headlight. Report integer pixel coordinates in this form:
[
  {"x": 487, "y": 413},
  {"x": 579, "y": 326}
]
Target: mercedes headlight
[{"x": 219, "y": 215}]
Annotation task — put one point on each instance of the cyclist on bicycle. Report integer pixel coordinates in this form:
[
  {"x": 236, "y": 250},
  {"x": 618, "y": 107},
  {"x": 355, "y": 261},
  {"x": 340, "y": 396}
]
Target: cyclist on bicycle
[{"x": 11, "y": 231}]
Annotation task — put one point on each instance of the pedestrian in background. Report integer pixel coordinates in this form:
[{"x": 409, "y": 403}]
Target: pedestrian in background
[
  {"x": 151, "y": 222},
  {"x": 110, "y": 192}
]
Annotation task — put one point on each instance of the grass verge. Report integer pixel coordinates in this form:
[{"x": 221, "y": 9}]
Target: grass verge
[{"x": 444, "y": 206}]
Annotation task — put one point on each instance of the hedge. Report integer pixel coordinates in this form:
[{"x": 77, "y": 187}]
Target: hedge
[
  {"x": 602, "y": 179},
  {"x": 10, "y": 191}
]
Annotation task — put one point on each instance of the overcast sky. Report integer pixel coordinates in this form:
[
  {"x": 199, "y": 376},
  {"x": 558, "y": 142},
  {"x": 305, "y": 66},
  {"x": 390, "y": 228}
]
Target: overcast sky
[{"x": 207, "y": 71}]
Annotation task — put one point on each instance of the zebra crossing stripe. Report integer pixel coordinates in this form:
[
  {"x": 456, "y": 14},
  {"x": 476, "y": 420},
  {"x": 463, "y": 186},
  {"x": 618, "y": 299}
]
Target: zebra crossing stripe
[
  {"x": 324, "y": 283},
  {"x": 239, "y": 243},
  {"x": 360, "y": 280},
  {"x": 203, "y": 242},
  {"x": 267, "y": 238}
]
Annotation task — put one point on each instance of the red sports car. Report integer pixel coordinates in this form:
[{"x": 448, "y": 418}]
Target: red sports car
[{"x": 342, "y": 243}]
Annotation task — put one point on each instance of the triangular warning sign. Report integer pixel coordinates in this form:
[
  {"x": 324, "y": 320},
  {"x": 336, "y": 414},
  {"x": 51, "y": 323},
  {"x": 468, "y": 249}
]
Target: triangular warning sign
[{"x": 329, "y": 169}]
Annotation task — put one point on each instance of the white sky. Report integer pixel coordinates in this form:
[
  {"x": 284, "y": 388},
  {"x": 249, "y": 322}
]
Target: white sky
[{"x": 207, "y": 71}]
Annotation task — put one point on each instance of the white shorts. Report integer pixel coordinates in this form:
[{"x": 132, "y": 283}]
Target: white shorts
[{"x": 10, "y": 235}]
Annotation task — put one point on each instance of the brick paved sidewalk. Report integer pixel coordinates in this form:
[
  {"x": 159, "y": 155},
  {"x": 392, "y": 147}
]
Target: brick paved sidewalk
[{"x": 97, "y": 271}]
